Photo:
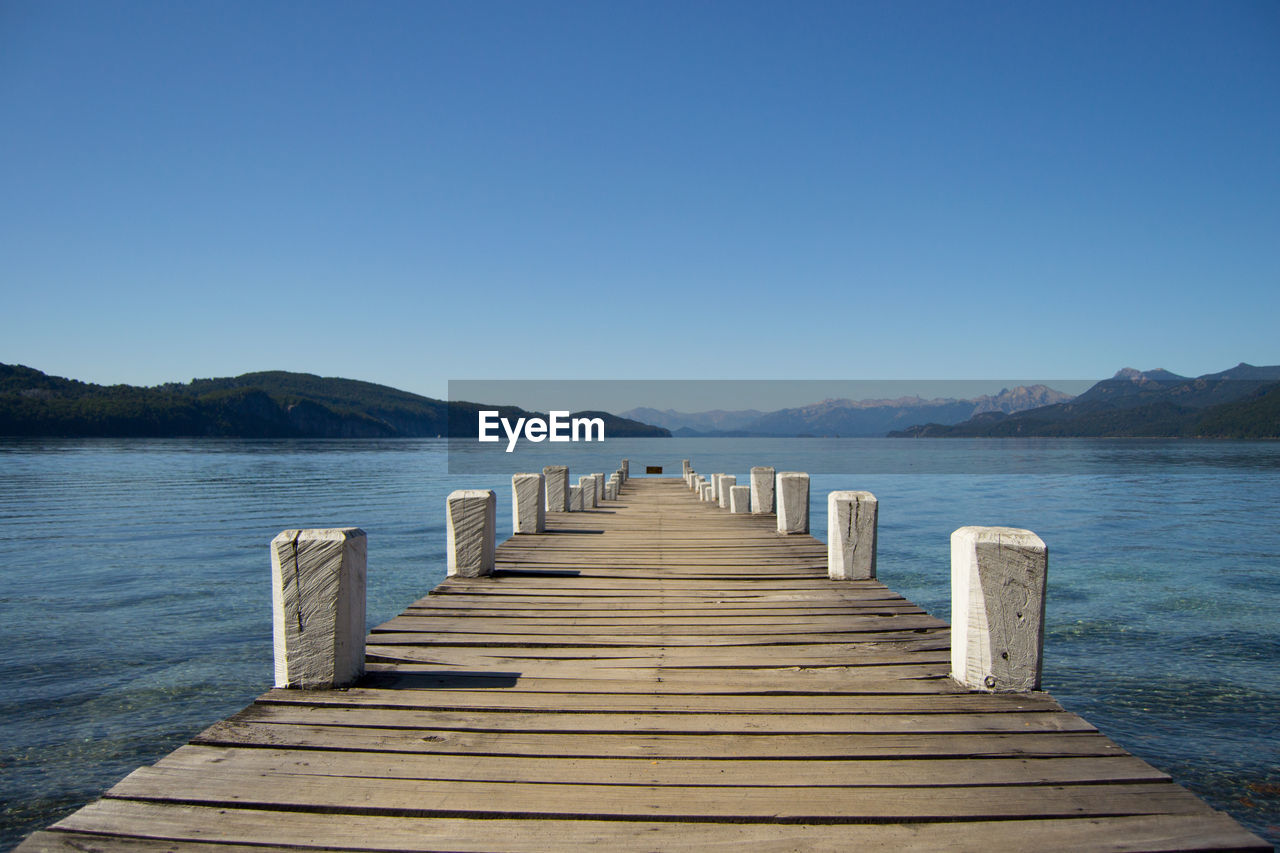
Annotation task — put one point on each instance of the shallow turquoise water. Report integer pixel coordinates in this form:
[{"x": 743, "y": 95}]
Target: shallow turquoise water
[{"x": 135, "y": 605}]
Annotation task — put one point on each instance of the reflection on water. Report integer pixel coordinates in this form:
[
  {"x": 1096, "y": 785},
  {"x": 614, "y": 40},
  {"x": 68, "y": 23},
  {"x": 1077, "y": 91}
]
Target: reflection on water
[{"x": 135, "y": 606}]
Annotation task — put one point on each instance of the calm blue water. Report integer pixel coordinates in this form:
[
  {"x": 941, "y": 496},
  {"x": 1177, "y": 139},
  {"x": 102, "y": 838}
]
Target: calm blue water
[{"x": 135, "y": 603}]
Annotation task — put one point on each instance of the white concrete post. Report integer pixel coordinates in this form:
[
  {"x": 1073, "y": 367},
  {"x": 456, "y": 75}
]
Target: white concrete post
[
  {"x": 715, "y": 486},
  {"x": 998, "y": 577},
  {"x": 727, "y": 482},
  {"x": 472, "y": 522},
  {"x": 851, "y": 535},
  {"x": 739, "y": 499},
  {"x": 762, "y": 489},
  {"x": 587, "y": 484},
  {"x": 792, "y": 493},
  {"x": 698, "y": 481},
  {"x": 599, "y": 478},
  {"x": 705, "y": 492},
  {"x": 575, "y": 498},
  {"x": 685, "y": 467},
  {"x": 317, "y": 606},
  {"x": 557, "y": 487},
  {"x": 625, "y": 468},
  {"x": 527, "y": 512}
]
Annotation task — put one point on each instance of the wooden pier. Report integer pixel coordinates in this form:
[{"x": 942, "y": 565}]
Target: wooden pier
[{"x": 656, "y": 674}]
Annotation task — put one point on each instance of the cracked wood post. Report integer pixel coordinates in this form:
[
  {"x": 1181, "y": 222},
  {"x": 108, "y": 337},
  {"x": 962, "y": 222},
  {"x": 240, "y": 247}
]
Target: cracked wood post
[
  {"x": 557, "y": 487},
  {"x": 998, "y": 577},
  {"x": 792, "y": 493},
  {"x": 575, "y": 498},
  {"x": 739, "y": 499},
  {"x": 762, "y": 489},
  {"x": 727, "y": 482},
  {"x": 527, "y": 512},
  {"x": 851, "y": 535},
  {"x": 318, "y": 606},
  {"x": 716, "y": 480},
  {"x": 472, "y": 522},
  {"x": 587, "y": 486}
]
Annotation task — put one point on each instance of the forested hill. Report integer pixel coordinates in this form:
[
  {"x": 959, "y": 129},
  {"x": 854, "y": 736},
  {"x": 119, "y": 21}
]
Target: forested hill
[
  {"x": 1242, "y": 402},
  {"x": 273, "y": 404}
]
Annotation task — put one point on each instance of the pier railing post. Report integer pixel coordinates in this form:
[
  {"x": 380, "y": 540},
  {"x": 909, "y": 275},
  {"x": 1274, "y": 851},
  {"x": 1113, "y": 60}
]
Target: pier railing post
[
  {"x": 716, "y": 481},
  {"x": 599, "y": 481},
  {"x": 625, "y": 468},
  {"x": 762, "y": 500},
  {"x": 739, "y": 499},
  {"x": 851, "y": 535},
  {"x": 318, "y": 606},
  {"x": 727, "y": 482},
  {"x": 557, "y": 487},
  {"x": 998, "y": 577},
  {"x": 792, "y": 493},
  {"x": 472, "y": 522},
  {"x": 575, "y": 498},
  {"x": 705, "y": 491},
  {"x": 587, "y": 484},
  {"x": 527, "y": 512}
]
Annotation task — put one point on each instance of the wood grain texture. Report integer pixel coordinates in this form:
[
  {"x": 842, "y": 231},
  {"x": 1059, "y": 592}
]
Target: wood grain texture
[{"x": 654, "y": 674}]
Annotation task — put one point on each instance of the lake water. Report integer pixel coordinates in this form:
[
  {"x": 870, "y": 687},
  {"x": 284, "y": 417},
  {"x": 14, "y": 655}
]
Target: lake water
[{"x": 135, "y": 602}]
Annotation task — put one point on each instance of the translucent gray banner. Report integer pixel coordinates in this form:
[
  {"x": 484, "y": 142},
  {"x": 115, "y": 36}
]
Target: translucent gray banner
[{"x": 943, "y": 426}]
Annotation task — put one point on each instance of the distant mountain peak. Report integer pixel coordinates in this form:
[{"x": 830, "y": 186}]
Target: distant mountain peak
[{"x": 1157, "y": 375}]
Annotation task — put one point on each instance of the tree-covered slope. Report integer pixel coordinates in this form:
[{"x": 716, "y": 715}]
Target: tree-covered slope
[
  {"x": 1235, "y": 403},
  {"x": 273, "y": 404}
]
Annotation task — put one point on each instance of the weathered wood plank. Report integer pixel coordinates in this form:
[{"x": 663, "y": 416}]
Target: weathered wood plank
[
  {"x": 614, "y": 687},
  {"x": 664, "y": 723},
  {"x": 506, "y": 699},
  {"x": 134, "y": 819},
  {"x": 688, "y": 771},
  {"x": 425, "y": 797},
  {"x": 631, "y": 745}
]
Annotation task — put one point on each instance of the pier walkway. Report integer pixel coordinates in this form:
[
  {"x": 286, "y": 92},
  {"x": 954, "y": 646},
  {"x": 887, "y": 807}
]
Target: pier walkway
[{"x": 656, "y": 674}]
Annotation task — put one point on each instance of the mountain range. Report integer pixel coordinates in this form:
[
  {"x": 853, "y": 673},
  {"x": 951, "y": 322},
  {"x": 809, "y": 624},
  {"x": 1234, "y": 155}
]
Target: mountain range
[
  {"x": 273, "y": 404},
  {"x": 855, "y": 418},
  {"x": 1241, "y": 402}
]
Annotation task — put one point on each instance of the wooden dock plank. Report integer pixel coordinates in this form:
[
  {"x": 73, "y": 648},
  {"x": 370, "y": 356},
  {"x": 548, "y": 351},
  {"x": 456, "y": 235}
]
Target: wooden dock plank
[
  {"x": 657, "y": 674},
  {"x": 131, "y": 821}
]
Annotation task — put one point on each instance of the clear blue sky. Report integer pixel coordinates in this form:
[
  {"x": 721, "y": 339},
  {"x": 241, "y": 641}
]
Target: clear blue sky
[{"x": 411, "y": 192}]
